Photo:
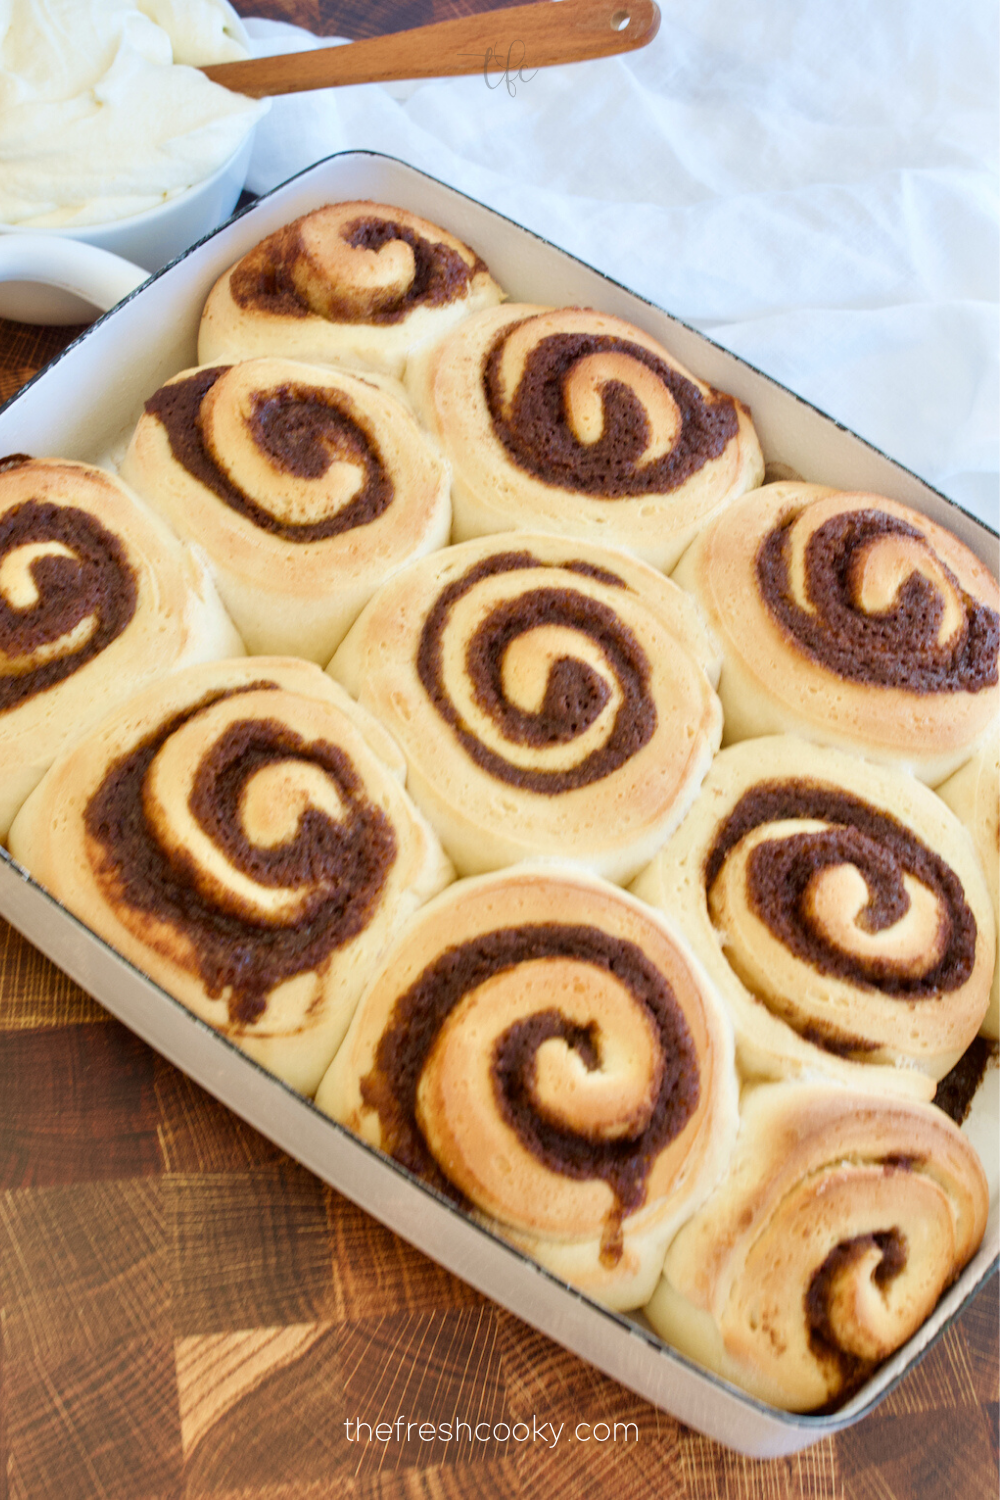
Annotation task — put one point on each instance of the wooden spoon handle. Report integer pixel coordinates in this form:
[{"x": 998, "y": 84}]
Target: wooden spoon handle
[{"x": 517, "y": 40}]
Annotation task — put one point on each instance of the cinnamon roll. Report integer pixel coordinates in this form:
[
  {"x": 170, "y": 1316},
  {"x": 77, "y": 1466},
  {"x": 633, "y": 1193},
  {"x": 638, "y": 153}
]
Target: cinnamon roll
[
  {"x": 543, "y": 1049},
  {"x": 854, "y": 621},
  {"x": 97, "y": 599},
  {"x": 350, "y": 283},
  {"x": 307, "y": 488},
  {"x": 840, "y": 911},
  {"x": 240, "y": 833},
  {"x": 551, "y": 698},
  {"x": 841, "y": 1220},
  {"x": 973, "y": 793},
  {"x": 573, "y": 421}
]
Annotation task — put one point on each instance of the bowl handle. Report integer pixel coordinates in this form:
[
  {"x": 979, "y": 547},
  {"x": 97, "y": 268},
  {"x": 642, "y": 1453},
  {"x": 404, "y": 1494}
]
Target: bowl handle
[{"x": 47, "y": 278}]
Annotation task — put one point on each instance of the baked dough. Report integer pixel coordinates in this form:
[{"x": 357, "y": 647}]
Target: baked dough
[
  {"x": 841, "y": 1220},
  {"x": 973, "y": 793},
  {"x": 840, "y": 910},
  {"x": 240, "y": 832},
  {"x": 851, "y": 620},
  {"x": 98, "y": 599},
  {"x": 544, "y": 1049},
  {"x": 551, "y": 698},
  {"x": 306, "y": 486},
  {"x": 351, "y": 283},
  {"x": 572, "y": 421}
]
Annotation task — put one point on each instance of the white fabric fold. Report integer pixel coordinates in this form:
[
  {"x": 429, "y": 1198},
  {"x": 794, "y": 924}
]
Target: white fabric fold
[{"x": 813, "y": 185}]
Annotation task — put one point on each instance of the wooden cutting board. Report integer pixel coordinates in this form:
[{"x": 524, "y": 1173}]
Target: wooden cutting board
[{"x": 186, "y": 1312}]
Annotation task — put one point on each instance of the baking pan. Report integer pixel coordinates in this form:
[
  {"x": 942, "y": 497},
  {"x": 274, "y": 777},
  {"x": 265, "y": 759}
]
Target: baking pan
[{"x": 83, "y": 406}]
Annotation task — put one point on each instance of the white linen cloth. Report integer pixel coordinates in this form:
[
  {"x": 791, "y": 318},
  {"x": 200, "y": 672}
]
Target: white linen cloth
[{"x": 812, "y": 184}]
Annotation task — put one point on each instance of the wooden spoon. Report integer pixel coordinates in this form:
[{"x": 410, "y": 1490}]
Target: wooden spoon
[{"x": 512, "y": 42}]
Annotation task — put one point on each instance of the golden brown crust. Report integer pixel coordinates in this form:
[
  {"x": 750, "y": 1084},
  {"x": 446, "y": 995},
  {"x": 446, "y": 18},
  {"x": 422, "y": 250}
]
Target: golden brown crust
[
  {"x": 852, "y": 620},
  {"x": 576, "y": 422},
  {"x": 841, "y": 911},
  {"x": 241, "y": 834},
  {"x": 307, "y": 487},
  {"x": 543, "y": 1047},
  {"x": 973, "y": 794},
  {"x": 551, "y": 698},
  {"x": 839, "y": 1223},
  {"x": 98, "y": 598},
  {"x": 350, "y": 283}
]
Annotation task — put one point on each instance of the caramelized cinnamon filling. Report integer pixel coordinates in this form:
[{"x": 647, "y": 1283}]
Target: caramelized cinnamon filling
[
  {"x": 852, "y": 1369},
  {"x": 538, "y": 436},
  {"x": 575, "y": 694},
  {"x": 262, "y": 280},
  {"x": 957, "y": 1089},
  {"x": 348, "y": 859},
  {"x": 881, "y": 848},
  {"x": 96, "y": 583},
  {"x": 418, "y": 1015},
  {"x": 895, "y": 648},
  {"x": 298, "y": 429},
  {"x": 440, "y": 276}
]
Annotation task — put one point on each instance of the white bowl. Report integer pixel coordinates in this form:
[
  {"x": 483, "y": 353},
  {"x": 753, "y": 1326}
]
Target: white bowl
[
  {"x": 44, "y": 280},
  {"x": 47, "y": 275}
]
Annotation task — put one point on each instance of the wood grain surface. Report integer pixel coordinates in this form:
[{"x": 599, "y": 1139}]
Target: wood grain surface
[{"x": 186, "y": 1312}]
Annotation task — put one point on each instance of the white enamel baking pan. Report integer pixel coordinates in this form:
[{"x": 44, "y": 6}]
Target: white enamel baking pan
[{"x": 78, "y": 408}]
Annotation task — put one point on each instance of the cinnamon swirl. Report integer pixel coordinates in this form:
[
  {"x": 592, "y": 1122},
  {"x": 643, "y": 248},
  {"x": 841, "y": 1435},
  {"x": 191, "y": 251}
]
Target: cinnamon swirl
[
  {"x": 573, "y": 421},
  {"x": 854, "y": 621},
  {"x": 307, "y": 488},
  {"x": 551, "y": 698},
  {"x": 350, "y": 283},
  {"x": 542, "y": 1048},
  {"x": 241, "y": 834},
  {"x": 97, "y": 599},
  {"x": 840, "y": 1222},
  {"x": 839, "y": 909}
]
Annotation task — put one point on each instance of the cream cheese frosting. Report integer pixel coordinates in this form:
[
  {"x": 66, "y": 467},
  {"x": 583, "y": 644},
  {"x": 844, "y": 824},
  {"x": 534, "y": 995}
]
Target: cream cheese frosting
[{"x": 102, "y": 111}]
